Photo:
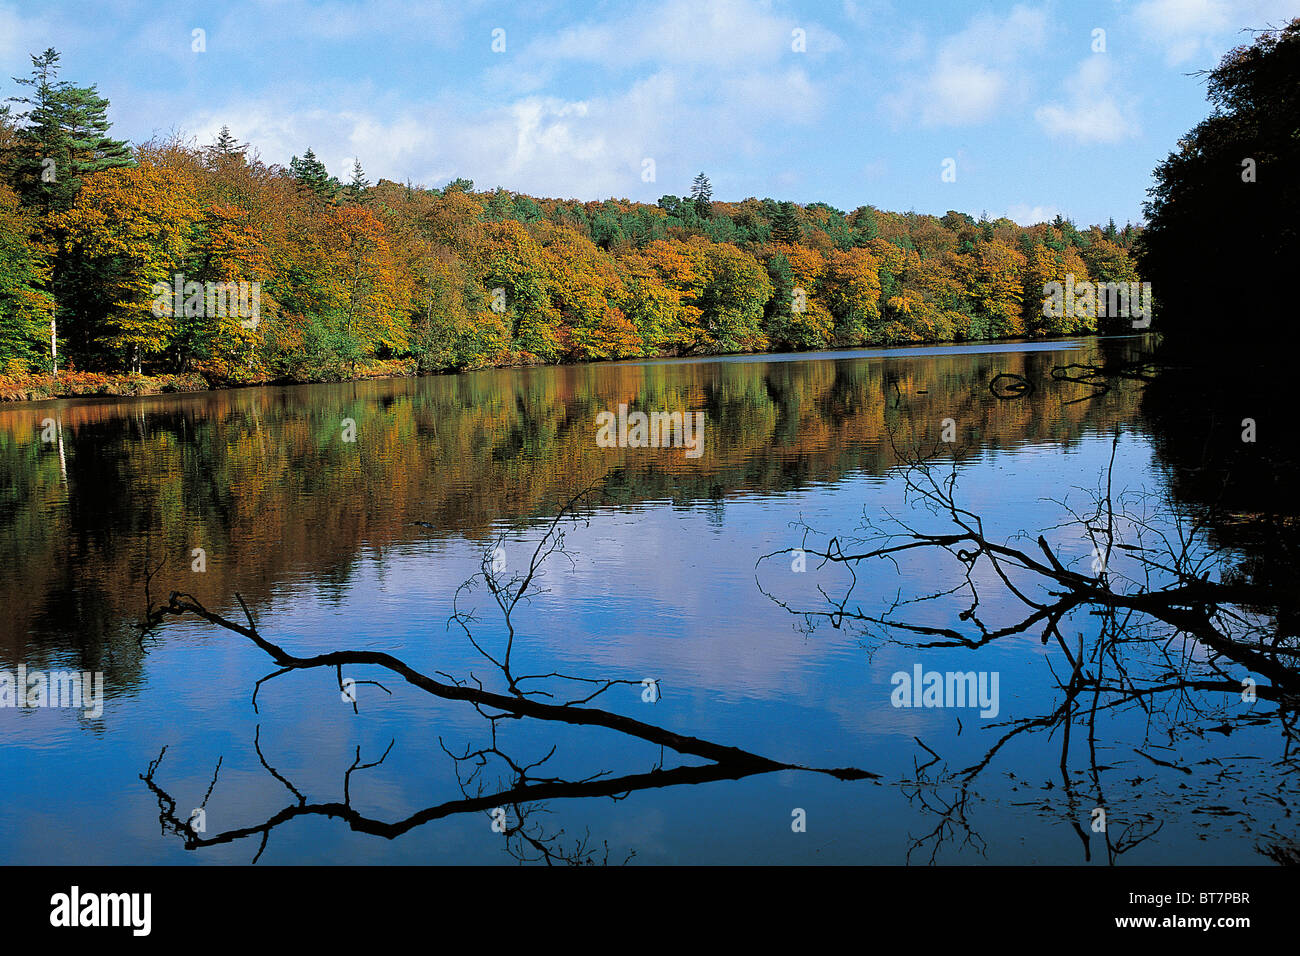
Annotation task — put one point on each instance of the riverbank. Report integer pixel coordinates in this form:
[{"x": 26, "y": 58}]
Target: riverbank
[{"x": 78, "y": 384}]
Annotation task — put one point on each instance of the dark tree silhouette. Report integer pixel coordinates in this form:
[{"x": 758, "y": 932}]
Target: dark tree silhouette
[{"x": 1223, "y": 228}]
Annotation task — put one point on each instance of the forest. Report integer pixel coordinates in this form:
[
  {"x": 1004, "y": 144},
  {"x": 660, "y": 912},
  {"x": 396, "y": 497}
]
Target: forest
[{"x": 353, "y": 279}]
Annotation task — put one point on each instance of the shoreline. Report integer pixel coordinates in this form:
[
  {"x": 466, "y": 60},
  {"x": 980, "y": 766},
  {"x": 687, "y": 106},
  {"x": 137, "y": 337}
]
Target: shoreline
[{"x": 33, "y": 388}]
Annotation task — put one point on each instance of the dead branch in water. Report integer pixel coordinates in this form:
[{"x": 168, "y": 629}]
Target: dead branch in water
[
  {"x": 1173, "y": 629},
  {"x": 519, "y": 701}
]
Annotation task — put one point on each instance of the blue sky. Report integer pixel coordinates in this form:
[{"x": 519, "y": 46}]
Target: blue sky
[{"x": 583, "y": 94}]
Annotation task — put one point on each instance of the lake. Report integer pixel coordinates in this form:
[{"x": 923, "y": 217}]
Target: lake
[{"x": 347, "y": 516}]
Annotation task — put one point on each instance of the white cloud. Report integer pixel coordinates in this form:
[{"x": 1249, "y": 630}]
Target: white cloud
[
  {"x": 786, "y": 95},
  {"x": 865, "y": 13},
  {"x": 962, "y": 92},
  {"x": 1203, "y": 30},
  {"x": 571, "y": 113},
  {"x": 20, "y": 36},
  {"x": 546, "y": 145},
  {"x": 722, "y": 34},
  {"x": 1092, "y": 113},
  {"x": 1027, "y": 215},
  {"x": 975, "y": 72},
  {"x": 1182, "y": 27},
  {"x": 715, "y": 82},
  {"x": 337, "y": 20}
]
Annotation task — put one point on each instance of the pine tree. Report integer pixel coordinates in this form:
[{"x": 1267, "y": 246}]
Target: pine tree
[
  {"x": 226, "y": 143},
  {"x": 778, "y": 307},
  {"x": 63, "y": 137},
  {"x": 702, "y": 196},
  {"x": 785, "y": 227},
  {"x": 311, "y": 174},
  {"x": 225, "y": 153},
  {"x": 864, "y": 225},
  {"x": 499, "y": 207},
  {"x": 356, "y": 189},
  {"x": 359, "y": 180}
]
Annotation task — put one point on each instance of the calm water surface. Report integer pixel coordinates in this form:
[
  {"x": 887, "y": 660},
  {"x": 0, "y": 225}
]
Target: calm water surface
[{"x": 320, "y": 536}]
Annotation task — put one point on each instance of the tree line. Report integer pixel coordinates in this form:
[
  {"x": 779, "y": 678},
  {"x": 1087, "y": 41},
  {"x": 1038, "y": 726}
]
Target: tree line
[{"x": 353, "y": 275}]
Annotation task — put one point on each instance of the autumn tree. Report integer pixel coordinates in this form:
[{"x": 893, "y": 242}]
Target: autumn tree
[
  {"x": 371, "y": 297},
  {"x": 663, "y": 287},
  {"x": 1109, "y": 262},
  {"x": 735, "y": 291},
  {"x": 129, "y": 229},
  {"x": 797, "y": 317},
  {"x": 853, "y": 296},
  {"x": 453, "y": 328},
  {"x": 1046, "y": 265},
  {"x": 352, "y": 276},
  {"x": 516, "y": 279},
  {"x": 993, "y": 275},
  {"x": 223, "y": 339},
  {"x": 585, "y": 285},
  {"x": 26, "y": 308}
]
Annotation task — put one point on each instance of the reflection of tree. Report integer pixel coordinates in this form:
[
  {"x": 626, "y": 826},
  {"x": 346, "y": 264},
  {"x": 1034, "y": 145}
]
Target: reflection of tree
[
  {"x": 1172, "y": 626},
  {"x": 255, "y": 472},
  {"x": 526, "y": 838},
  {"x": 522, "y": 784},
  {"x": 946, "y": 800}
]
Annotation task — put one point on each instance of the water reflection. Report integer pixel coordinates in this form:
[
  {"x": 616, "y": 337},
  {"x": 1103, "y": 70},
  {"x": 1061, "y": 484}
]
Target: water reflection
[
  {"x": 1154, "y": 643},
  {"x": 262, "y": 480},
  {"x": 361, "y": 547},
  {"x": 515, "y": 800}
]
